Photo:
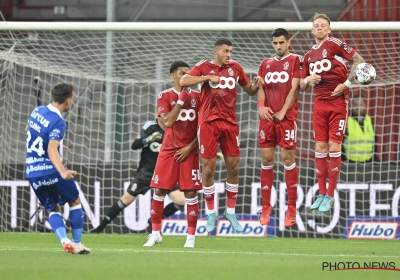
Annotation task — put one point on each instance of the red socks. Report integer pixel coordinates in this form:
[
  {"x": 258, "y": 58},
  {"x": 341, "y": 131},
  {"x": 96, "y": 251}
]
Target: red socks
[
  {"x": 334, "y": 171},
  {"x": 292, "y": 178},
  {"x": 157, "y": 208},
  {"x": 267, "y": 179},
  {"x": 192, "y": 211},
  {"x": 321, "y": 168}
]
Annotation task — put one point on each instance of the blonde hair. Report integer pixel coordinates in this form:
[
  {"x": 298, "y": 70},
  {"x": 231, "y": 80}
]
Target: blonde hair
[{"x": 323, "y": 16}]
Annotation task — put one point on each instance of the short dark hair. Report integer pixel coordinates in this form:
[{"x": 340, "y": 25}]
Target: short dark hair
[
  {"x": 61, "y": 92},
  {"x": 280, "y": 32},
  {"x": 222, "y": 41},
  {"x": 176, "y": 64}
]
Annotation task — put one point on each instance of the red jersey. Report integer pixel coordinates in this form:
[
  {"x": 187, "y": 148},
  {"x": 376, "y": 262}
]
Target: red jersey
[
  {"x": 219, "y": 101},
  {"x": 329, "y": 61},
  {"x": 278, "y": 75},
  {"x": 184, "y": 130}
]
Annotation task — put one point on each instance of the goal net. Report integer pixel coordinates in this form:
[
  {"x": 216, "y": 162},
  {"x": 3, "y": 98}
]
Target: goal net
[{"x": 117, "y": 70}]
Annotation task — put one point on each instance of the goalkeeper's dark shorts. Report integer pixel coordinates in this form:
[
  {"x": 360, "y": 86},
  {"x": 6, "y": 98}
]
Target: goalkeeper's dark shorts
[{"x": 137, "y": 187}]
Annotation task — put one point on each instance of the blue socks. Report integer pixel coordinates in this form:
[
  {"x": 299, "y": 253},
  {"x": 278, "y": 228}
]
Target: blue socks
[
  {"x": 76, "y": 221},
  {"x": 57, "y": 224}
]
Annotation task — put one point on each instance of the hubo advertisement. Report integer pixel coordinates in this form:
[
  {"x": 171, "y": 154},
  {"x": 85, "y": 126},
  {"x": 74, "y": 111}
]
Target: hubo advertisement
[{"x": 364, "y": 208}]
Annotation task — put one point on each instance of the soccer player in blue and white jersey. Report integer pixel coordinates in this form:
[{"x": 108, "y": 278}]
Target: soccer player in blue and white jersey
[{"x": 52, "y": 182}]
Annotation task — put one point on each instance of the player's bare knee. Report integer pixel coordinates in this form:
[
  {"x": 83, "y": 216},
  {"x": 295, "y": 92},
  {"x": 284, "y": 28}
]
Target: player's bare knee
[
  {"x": 208, "y": 173},
  {"x": 160, "y": 192},
  {"x": 233, "y": 171},
  {"x": 190, "y": 194},
  {"x": 127, "y": 198},
  {"x": 267, "y": 161},
  {"x": 74, "y": 203}
]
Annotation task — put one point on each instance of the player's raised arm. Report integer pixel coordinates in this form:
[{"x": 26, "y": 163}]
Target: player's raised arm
[
  {"x": 168, "y": 119},
  {"x": 188, "y": 80}
]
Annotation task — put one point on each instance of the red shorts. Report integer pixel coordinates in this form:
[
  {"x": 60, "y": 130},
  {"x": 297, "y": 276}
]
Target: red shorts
[
  {"x": 283, "y": 134},
  {"x": 222, "y": 132},
  {"x": 168, "y": 172},
  {"x": 329, "y": 120}
]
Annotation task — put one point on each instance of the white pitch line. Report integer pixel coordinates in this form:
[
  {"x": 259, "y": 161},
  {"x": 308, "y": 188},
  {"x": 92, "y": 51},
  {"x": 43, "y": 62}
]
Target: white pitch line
[{"x": 11, "y": 248}]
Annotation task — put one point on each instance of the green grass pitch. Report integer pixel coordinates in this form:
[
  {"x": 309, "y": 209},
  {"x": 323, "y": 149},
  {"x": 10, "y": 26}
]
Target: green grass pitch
[{"x": 115, "y": 256}]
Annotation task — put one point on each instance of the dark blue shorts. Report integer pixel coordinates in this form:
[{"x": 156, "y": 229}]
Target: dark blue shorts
[{"x": 53, "y": 189}]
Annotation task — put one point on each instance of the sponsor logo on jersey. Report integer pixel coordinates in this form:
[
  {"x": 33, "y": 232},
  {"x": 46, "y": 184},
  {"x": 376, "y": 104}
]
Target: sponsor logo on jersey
[
  {"x": 38, "y": 168},
  {"x": 372, "y": 230},
  {"x": 320, "y": 66},
  {"x": 268, "y": 66},
  {"x": 224, "y": 82},
  {"x": 187, "y": 115},
  {"x": 338, "y": 134},
  {"x": 45, "y": 183},
  {"x": 42, "y": 120},
  {"x": 31, "y": 160},
  {"x": 212, "y": 72},
  {"x": 276, "y": 77}
]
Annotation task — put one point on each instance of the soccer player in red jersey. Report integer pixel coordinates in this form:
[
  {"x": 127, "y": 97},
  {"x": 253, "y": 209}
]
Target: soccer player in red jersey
[
  {"x": 178, "y": 160},
  {"x": 217, "y": 123},
  {"x": 277, "y": 103},
  {"x": 324, "y": 66}
]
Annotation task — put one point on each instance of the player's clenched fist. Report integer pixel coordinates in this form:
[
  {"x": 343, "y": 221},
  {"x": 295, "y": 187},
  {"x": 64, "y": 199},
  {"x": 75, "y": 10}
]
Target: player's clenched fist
[
  {"x": 68, "y": 174},
  {"x": 153, "y": 137}
]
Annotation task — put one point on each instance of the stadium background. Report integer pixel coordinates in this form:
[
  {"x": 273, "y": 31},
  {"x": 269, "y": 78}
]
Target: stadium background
[{"x": 88, "y": 160}]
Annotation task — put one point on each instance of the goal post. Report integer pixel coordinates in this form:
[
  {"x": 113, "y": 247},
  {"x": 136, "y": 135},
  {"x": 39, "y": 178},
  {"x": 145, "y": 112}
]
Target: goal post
[{"x": 117, "y": 70}]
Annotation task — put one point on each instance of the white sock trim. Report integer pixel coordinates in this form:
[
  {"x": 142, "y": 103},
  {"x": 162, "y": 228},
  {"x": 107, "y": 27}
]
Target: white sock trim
[
  {"x": 209, "y": 190},
  {"x": 321, "y": 155},
  {"x": 290, "y": 167},
  {"x": 232, "y": 187},
  {"x": 54, "y": 213},
  {"x": 335, "y": 154},
  {"x": 158, "y": 198},
  {"x": 75, "y": 207},
  {"x": 267, "y": 167},
  {"x": 192, "y": 201}
]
